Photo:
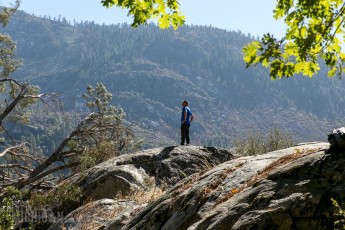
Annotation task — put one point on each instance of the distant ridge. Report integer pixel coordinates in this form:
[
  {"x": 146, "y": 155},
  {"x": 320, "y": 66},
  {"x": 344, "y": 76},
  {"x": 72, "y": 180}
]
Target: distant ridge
[{"x": 149, "y": 71}]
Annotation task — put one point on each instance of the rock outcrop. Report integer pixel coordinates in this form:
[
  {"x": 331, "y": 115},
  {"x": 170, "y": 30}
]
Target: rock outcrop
[
  {"x": 144, "y": 170},
  {"x": 285, "y": 189},
  {"x": 133, "y": 180}
]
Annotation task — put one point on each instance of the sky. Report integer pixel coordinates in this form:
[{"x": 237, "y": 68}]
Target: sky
[{"x": 248, "y": 16}]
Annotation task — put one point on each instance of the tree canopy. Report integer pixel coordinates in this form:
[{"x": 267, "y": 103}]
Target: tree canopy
[
  {"x": 315, "y": 29},
  {"x": 167, "y": 12}
]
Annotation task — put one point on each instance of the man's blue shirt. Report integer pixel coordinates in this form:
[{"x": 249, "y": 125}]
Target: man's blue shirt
[{"x": 189, "y": 114}]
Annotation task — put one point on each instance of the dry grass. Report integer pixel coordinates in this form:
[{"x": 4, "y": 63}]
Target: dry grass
[
  {"x": 218, "y": 181},
  {"x": 143, "y": 196},
  {"x": 93, "y": 216},
  {"x": 189, "y": 183}
]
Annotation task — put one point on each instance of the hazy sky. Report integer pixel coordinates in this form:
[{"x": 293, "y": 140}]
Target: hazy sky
[{"x": 249, "y": 16}]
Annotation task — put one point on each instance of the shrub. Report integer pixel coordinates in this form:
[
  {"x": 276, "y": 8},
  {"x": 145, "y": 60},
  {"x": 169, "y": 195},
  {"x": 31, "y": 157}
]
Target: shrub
[
  {"x": 11, "y": 207},
  {"x": 17, "y": 194},
  {"x": 64, "y": 199},
  {"x": 340, "y": 223},
  {"x": 257, "y": 143},
  {"x": 7, "y": 215}
]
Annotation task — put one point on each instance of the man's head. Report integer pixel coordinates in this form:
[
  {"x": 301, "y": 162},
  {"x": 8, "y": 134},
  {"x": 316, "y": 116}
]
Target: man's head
[{"x": 185, "y": 103}]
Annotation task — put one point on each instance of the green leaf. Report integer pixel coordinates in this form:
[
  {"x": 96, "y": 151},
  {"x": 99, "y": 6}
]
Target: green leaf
[
  {"x": 313, "y": 32},
  {"x": 167, "y": 12},
  {"x": 332, "y": 72},
  {"x": 278, "y": 13}
]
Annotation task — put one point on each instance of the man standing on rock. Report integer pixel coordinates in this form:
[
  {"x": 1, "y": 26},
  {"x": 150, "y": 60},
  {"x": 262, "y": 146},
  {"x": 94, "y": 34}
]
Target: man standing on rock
[{"x": 186, "y": 119}]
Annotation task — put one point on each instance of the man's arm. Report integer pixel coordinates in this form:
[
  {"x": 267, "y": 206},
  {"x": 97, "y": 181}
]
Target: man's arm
[
  {"x": 184, "y": 116},
  {"x": 191, "y": 118}
]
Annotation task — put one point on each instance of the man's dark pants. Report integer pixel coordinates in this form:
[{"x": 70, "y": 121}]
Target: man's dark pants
[{"x": 185, "y": 133}]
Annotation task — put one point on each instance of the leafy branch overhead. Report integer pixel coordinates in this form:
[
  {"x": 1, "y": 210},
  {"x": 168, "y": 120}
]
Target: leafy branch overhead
[
  {"x": 315, "y": 29},
  {"x": 167, "y": 12}
]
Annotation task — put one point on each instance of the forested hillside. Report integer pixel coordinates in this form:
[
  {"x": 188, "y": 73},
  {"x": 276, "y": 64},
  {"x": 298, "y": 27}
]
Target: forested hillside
[{"x": 151, "y": 71}]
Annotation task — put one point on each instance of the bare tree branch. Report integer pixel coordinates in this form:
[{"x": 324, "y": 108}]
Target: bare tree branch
[
  {"x": 4, "y": 166},
  {"x": 13, "y": 104},
  {"x": 10, "y": 150},
  {"x": 31, "y": 179},
  {"x": 38, "y": 172},
  {"x": 10, "y": 80},
  {"x": 102, "y": 128}
]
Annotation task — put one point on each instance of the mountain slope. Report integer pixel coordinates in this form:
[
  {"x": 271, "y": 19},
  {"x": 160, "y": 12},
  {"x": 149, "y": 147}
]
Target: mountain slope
[{"x": 150, "y": 71}]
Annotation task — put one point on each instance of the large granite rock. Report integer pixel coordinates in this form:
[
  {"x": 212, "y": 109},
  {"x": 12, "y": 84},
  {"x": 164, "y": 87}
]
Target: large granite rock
[
  {"x": 133, "y": 180},
  {"x": 144, "y": 170},
  {"x": 285, "y": 189}
]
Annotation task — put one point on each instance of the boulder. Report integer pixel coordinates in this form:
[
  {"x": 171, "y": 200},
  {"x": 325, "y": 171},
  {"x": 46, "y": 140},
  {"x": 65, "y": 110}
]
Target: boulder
[
  {"x": 337, "y": 139},
  {"x": 144, "y": 170},
  {"x": 133, "y": 180},
  {"x": 284, "y": 189}
]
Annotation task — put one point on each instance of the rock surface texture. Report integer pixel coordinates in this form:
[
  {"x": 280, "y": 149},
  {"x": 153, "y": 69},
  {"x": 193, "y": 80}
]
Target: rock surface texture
[
  {"x": 210, "y": 189},
  {"x": 284, "y": 189},
  {"x": 98, "y": 214},
  {"x": 122, "y": 186},
  {"x": 123, "y": 175}
]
